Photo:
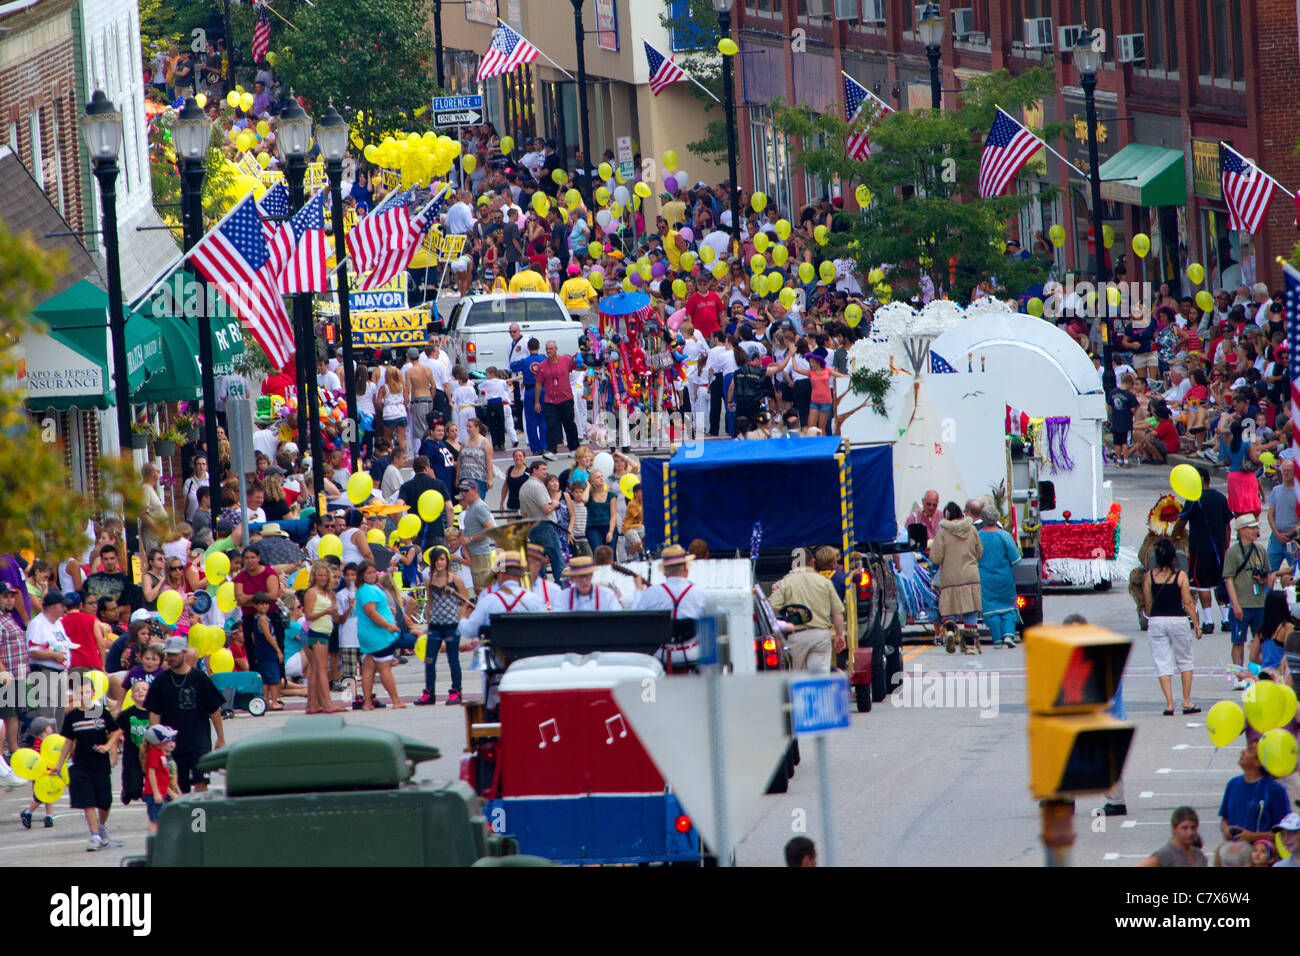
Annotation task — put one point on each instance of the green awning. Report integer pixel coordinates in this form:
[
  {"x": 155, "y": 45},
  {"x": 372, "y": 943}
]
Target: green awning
[
  {"x": 1145, "y": 176},
  {"x": 78, "y": 317},
  {"x": 181, "y": 298},
  {"x": 178, "y": 380}
]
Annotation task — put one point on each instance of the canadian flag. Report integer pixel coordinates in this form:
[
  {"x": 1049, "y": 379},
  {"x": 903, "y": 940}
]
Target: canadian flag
[{"x": 1017, "y": 422}]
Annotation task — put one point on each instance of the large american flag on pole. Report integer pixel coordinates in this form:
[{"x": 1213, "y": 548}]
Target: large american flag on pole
[
  {"x": 1247, "y": 190},
  {"x": 382, "y": 243},
  {"x": 261, "y": 33},
  {"x": 507, "y": 50},
  {"x": 274, "y": 207},
  {"x": 861, "y": 103},
  {"x": 306, "y": 269},
  {"x": 663, "y": 71},
  {"x": 1008, "y": 147},
  {"x": 234, "y": 257}
]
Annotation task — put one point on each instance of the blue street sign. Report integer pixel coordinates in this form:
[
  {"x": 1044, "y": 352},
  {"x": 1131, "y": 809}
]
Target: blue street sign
[
  {"x": 457, "y": 103},
  {"x": 819, "y": 704}
]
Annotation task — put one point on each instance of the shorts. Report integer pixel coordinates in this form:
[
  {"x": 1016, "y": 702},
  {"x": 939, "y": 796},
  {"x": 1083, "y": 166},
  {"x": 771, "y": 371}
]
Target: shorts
[
  {"x": 1146, "y": 360},
  {"x": 1252, "y": 619},
  {"x": 271, "y": 671},
  {"x": 187, "y": 772},
  {"x": 153, "y": 807},
  {"x": 1121, "y": 437},
  {"x": 87, "y": 790},
  {"x": 632, "y": 537},
  {"x": 315, "y": 637},
  {"x": 349, "y": 662},
  {"x": 395, "y": 422},
  {"x": 384, "y": 655},
  {"x": 1205, "y": 571},
  {"x": 823, "y": 407},
  {"x": 1170, "y": 640}
]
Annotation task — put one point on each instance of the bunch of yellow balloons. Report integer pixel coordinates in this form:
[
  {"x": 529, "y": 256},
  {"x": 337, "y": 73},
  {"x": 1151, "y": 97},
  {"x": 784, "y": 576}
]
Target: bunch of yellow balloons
[
  {"x": 38, "y": 767},
  {"x": 420, "y": 158}
]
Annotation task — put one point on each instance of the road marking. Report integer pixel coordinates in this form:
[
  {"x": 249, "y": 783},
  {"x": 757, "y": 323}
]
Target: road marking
[
  {"x": 1149, "y": 794},
  {"x": 1130, "y": 824},
  {"x": 1194, "y": 747},
  {"x": 1125, "y": 856},
  {"x": 1206, "y": 770},
  {"x": 1195, "y": 725},
  {"x": 915, "y": 652}
]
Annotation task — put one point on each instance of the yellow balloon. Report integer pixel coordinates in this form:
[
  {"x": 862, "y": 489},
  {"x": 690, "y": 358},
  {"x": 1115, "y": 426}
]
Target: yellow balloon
[
  {"x": 1289, "y": 704},
  {"x": 170, "y": 606},
  {"x": 786, "y": 297},
  {"x": 688, "y": 261},
  {"x": 408, "y": 526},
  {"x": 263, "y": 127},
  {"x": 330, "y": 544},
  {"x": 264, "y": 160},
  {"x": 559, "y": 177},
  {"x": 507, "y": 144},
  {"x": 1186, "y": 482},
  {"x": 1034, "y": 306},
  {"x": 727, "y": 47},
  {"x": 198, "y": 636},
  {"x": 670, "y": 160},
  {"x": 226, "y": 597},
  {"x": 300, "y": 580},
  {"x": 758, "y": 201},
  {"x": 757, "y": 263},
  {"x": 1057, "y": 235},
  {"x": 200, "y": 101},
  {"x": 1204, "y": 301},
  {"x": 595, "y": 250},
  {"x": 360, "y": 487},
  {"x": 1196, "y": 272},
  {"x": 863, "y": 195},
  {"x": 876, "y": 276},
  {"x": 606, "y": 171},
  {"x": 627, "y": 484},
  {"x": 616, "y": 210},
  {"x": 1141, "y": 243},
  {"x": 707, "y": 254},
  {"x": 1264, "y": 706},
  {"x": 1224, "y": 722},
  {"x": 232, "y": 98},
  {"x": 217, "y": 566},
  {"x": 51, "y": 746},
  {"x": 469, "y": 163},
  {"x": 807, "y": 273},
  {"x": 758, "y": 285},
  {"x": 628, "y": 286},
  {"x": 822, "y": 235},
  {"x": 853, "y": 314},
  {"x": 783, "y": 229},
  {"x": 27, "y": 763},
  {"x": 245, "y": 101},
  {"x": 421, "y": 647},
  {"x": 679, "y": 288},
  {"x": 719, "y": 269},
  {"x": 221, "y": 661},
  {"x": 602, "y": 195},
  {"x": 826, "y": 270},
  {"x": 1112, "y": 296},
  {"x": 1107, "y": 236},
  {"x": 375, "y": 536},
  {"x": 573, "y": 199},
  {"x": 761, "y": 242},
  {"x": 245, "y": 141},
  {"x": 430, "y": 505},
  {"x": 780, "y": 254},
  {"x": 1277, "y": 751},
  {"x": 48, "y": 789},
  {"x": 642, "y": 190}
]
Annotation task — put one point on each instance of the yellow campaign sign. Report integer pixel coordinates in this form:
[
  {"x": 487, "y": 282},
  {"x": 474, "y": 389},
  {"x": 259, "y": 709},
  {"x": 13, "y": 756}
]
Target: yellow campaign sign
[
  {"x": 249, "y": 164},
  {"x": 389, "y": 327},
  {"x": 315, "y": 178},
  {"x": 390, "y": 179},
  {"x": 270, "y": 177},
  {"x": 349, "y": 219},
  {"x": 451, "y": 247}
]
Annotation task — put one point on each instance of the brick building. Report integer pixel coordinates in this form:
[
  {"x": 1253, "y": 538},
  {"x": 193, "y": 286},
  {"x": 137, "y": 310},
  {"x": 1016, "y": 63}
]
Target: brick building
[{"x": 1212, "y": 70}]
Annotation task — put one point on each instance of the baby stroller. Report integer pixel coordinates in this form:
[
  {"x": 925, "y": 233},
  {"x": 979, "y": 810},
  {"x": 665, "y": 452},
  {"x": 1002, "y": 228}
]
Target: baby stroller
[{"x": 242, "y": 690}]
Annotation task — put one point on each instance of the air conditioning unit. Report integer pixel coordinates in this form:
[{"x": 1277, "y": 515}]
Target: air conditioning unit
[
  {"x": 846, "y": 9},
  {"x": 963, "y": 22},
  {"x": 1038, "y": 33},
  {"x": 1067, "y": 37},
  {"x": 1130, "y": 48},
  {"x": 819, "y": 8},
  {"x": 873, "y": 12}
]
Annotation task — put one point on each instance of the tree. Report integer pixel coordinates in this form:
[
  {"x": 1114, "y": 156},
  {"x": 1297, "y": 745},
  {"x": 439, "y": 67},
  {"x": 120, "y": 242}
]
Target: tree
[
  {"x": 696, "y": 25},
  {"x": 36, "y": 511},
  {"x": 922, "y": 174},
  {"x": 218, "y": 181},
  {"x": 375, "y": 59}
]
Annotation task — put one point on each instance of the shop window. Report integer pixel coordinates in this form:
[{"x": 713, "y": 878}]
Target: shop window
[
  {"x": 1219, "y": 43},
  {"x": 771, "y": 159}
]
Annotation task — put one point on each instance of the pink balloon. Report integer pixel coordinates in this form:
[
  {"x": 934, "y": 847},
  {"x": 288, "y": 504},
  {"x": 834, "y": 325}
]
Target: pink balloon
[
  {"x": 611, "y": 227},
  {"x": 686, "y": 233},
  {"x": 676, "y": 319},
  {"x": 670, "y": 184}
]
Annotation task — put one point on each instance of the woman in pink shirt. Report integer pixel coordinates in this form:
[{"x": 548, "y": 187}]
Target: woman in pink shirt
[{"x": 819, "y": 408}]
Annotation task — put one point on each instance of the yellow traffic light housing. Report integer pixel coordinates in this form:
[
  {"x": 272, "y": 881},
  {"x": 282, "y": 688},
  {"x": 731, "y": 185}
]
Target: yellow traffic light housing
[{"x": 1072, "y": 672}]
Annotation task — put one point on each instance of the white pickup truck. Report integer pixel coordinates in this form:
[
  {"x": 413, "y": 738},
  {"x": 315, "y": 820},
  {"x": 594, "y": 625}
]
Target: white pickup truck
[{"x": 478, "y": 326}]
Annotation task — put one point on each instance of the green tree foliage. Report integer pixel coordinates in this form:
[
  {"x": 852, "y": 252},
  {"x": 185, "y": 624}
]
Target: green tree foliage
[
  {"x": 170, "y": 21},
  {"x": 218, "y": 181},
  {"x": 375, "y": 59},
  {"x": 36, "y": 511},
  {"x": 704, "y": 63},
  {"x": 923, "y": 173}
]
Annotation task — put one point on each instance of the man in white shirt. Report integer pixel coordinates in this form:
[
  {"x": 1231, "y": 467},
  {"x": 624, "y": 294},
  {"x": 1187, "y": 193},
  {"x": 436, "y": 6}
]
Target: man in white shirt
[
  {"x": 267, "y": 441},
  {"x": 1181, "y": 384},
  {"x": 460, "y": 217},
  {"x": 680, "y": 596},
  {"x": 582, "y": 594},
  {"x": 1261, "y": 303},
  {"x": 48, "y": 645},
  {"x": 325, "y": 378}
]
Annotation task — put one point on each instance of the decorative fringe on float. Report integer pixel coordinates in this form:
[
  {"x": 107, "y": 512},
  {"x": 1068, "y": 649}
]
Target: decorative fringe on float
[{"x": 1089, "y": 572}]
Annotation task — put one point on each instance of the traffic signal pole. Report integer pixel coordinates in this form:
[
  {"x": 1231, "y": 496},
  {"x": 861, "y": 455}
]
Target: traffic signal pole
[{"x": 1058, "y": 831}]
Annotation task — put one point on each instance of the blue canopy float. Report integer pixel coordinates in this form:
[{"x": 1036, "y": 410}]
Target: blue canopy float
[{"x": 802, "y": 490}]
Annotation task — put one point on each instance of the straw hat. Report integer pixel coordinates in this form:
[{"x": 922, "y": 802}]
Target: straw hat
[
  {"x": 536, "y": 551},
  {"x": 580, "y": 566},
  {"x": 672, "y": 555},
  {"x": 272, "y": 530}
]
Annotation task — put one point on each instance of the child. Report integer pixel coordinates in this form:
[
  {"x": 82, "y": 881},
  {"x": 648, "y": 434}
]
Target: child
[
  {"x": 578, "y": 518},
  {"x": 148, "y": 668},
  {"x": 1123, "y": 405},
  {"x": 159, "y": 784},
  {"x": 91, "y": 733},
  {"x": 270, "y": 657},
  {"x": 634, "y": 524},
  {"x": 134, "y": 721},
  {"x": 500, "y": 422},
  {"x": 463, "y": 400},
  {"x": 349, "y": 646},
  {"x": 40, "y": 728},
  {"x": 1261, "y": 853}
]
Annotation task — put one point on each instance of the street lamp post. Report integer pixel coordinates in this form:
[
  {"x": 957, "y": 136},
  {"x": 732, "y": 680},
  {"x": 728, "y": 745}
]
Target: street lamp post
[
  {"x": 578, "y": 38},
  {"x": 723, "y": 10},
  {"x": 1088, "y": 61},
  {"x": 930, "y": 26},
  {"x": 101, "y": 125},
  {"x": 332, "y": 135},
  {"x": 192, "y": 135},
  {"x": 292, "y": 134},
  {"x": 437, "y": 54}
]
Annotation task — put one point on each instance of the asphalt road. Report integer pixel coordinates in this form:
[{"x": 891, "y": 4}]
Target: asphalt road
[{"x": 911, "y": 785}]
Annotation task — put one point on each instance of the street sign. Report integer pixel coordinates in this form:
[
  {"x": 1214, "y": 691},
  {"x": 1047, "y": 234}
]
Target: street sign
[
  {"x": 457, "y": 111},
  {"x": 672, "y": 724},
  {"x": 819, "y": 704},
  {"x": 624, "y": 147}
]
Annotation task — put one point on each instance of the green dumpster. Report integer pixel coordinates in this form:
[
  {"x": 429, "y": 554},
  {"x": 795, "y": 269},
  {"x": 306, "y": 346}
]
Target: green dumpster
[{"x": 321, "y": 792}]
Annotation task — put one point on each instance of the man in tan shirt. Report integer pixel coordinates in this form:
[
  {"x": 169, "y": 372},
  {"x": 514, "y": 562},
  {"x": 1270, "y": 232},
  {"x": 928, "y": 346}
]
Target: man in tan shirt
[{"x": 812, "y": 645}]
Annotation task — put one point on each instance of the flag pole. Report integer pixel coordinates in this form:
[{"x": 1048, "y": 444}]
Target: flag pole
[
  {"x": 184, "y": 256},
  {"x": 539, "y": 50},
  {"x": 706, "y": 90},
  {"x": 1046, "y": 146},
  {"x": 870, "y": 93},
  {"x": 1258, "y": 168}
]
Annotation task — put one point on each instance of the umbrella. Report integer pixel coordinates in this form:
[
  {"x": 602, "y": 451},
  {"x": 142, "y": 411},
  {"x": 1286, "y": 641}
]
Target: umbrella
[{"x": 277, "y": 550}]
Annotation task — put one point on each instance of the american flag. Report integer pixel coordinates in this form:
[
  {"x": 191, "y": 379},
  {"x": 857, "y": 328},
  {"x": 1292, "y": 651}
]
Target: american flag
[
  {"x": 507, "y": 50},
  {"x": 274, "y": 206},
  {"x": 1247, "y": 190},
  {"x": 939, "y": 365},
  {"x": 306, "y": 269},
  {"x": 234, "y": 257},
  {"x": 1292, "y": 305},
  {"x": 383, "y": 242},
  {"x": 1008, "y": 147},
  {"x": 261, "y": 33},
  {"x": 663, "y": 71},
  {"x": 857, "y": 98}
]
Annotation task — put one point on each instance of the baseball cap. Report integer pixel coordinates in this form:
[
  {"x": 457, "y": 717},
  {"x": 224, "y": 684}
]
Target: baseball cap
[
  {"x": 176, "y": 644},
  {"x": 1289, "y": 822},
  {"x": 468, "y": 484},
  {"x": 159, "y": 734},
  {"x": 6, "y": 589},
  {"x": 1239, "y": 383},
  {"x": 54, "y": 597},
  {"x": 41, "y": 724}
]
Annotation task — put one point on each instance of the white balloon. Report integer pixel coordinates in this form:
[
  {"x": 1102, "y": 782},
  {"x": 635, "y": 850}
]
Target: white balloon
[
  {"x": 603, "y": 217},
  {"x": 610, "y": 184},
  {"x": 604, "y": 462},
  {"x": 683, "y": 179},
  {"x": 621, "y": 195}
]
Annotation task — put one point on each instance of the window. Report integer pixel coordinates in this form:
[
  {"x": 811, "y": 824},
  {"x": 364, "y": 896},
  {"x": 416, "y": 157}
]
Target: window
[
  {"x": 696, "y": 34},
  {"x": 1220, "y": 43},
  {"x": 814, "y": 187},
  {"x": 38, "y": 159},
  {"x": 771, "y": 159},
  {"x": 504, "y": 311},
  {"x": 1157, "y": 21},
  {"x": 764, "y": 8}
]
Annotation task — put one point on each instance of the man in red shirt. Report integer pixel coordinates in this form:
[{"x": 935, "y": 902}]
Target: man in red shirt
[
  {"x": 552, "y": 375},
  {"x": 705, "y": 308}
]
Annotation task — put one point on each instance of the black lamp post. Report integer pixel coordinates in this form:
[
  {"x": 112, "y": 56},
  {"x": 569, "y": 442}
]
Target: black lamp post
[
  {"x": 332, "y": 135},
  {"x": 437, "y": 55},
  {"x": 101, "y": 125},
  {"x": 1088, "y": 61},
  {"x": 192, "y": 135},
  {"x": 931, "y": 26},
  {"x": 723, "y": 10},
  {"x": 292, "y": 135},
  {"x": 578, "y": 39}
]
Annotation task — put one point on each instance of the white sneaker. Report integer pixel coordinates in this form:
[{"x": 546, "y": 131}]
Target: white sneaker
[
  {"x": 10, "y": 779},
  {"x": 96, "y": 843}
]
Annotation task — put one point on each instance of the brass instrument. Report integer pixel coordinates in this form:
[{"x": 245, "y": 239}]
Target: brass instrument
[{"x": 513, "y": 536}]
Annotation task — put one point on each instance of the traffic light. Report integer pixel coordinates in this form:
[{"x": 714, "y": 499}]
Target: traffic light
[{"x": 1072, "y": 672}]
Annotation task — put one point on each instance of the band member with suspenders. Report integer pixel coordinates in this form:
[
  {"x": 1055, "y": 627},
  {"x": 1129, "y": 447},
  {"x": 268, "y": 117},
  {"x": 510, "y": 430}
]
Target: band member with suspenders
[
  {"x": 582, "y": 595},
  {"x": 547, "y": 591},
  {"x": 506, "y": 597},
  {"x": 679, "y": 595}
]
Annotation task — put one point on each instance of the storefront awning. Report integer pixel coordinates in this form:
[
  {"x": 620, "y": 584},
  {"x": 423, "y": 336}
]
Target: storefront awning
[
  {"x": 179, "y": 300},
  {"x": 78, "y": 319},
  {"x": 178, "y": 380},
  {"x": 1145, "y": 176}
]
